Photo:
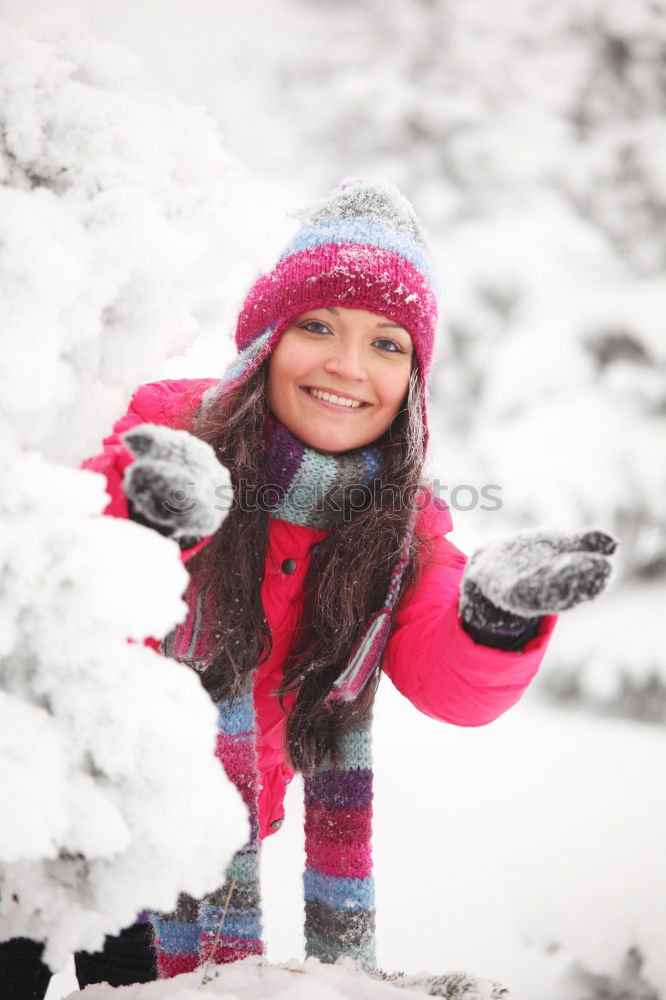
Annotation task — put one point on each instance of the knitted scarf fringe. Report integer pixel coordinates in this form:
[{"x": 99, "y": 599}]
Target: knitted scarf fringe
[{"x": 338, "y": 883}]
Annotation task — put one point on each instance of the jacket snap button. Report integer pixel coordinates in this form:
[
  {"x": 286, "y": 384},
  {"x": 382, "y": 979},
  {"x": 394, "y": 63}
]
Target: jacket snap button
[
  {"x": 289, "y": 566},
  {"x": 276, "y": 824}
]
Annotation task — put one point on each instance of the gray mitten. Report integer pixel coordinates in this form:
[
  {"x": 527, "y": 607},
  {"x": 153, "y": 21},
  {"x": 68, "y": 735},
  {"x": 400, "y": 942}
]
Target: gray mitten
[
  {"x": 508, "y": 584},
  {"x": 176, "y": 484}
]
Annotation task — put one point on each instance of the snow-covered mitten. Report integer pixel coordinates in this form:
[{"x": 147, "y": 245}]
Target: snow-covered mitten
[
  {"x": 176, "y": 484},
  {"x": 510, "y": 583}
]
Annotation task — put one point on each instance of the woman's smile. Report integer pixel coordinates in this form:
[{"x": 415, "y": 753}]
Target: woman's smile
[
  {"x": 338, "y": 377},
  {"x": 332, "y": 399}
]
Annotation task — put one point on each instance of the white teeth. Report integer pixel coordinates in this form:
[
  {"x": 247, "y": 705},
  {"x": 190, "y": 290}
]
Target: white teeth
[{"x": 340, "y": 400}]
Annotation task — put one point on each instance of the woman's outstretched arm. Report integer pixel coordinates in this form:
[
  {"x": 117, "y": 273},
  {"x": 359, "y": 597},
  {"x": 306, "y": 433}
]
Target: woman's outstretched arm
[
  {"x": 433, "y": 660},
  {"x": 470, "y": 634}
]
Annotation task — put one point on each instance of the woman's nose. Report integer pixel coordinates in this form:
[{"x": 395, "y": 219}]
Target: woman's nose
[{"x": 346, "y": 360}]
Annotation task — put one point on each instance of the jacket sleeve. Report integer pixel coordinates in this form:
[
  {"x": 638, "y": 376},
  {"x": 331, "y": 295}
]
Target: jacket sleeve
[
  {"x": 434, "y": 662},
  {"x": 163, "y": 403}
]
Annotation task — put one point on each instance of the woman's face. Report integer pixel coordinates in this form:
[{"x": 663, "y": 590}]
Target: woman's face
[{"x": 338, "y": 377}]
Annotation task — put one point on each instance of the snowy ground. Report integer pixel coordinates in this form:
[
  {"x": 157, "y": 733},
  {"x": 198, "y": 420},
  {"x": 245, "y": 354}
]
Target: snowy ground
[
  {"x": 509, "y": 851},
  {"x": 256, "y": 979}
]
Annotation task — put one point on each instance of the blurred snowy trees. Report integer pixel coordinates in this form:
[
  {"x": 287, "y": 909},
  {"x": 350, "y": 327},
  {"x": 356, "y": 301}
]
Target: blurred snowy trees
[{"x": 114, "y": 207}]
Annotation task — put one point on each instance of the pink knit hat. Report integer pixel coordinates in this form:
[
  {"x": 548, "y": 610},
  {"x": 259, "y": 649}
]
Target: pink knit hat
[{"x": 361, "y": 247}]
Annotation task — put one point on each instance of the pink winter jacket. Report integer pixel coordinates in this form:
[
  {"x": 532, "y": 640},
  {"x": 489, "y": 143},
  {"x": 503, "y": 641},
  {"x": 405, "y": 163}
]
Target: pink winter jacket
[{"x": 429, "y": 658}]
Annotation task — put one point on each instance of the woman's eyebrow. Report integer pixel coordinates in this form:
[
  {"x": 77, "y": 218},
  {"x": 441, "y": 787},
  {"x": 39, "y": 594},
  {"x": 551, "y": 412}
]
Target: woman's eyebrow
[{"x": 332, "y": 309}]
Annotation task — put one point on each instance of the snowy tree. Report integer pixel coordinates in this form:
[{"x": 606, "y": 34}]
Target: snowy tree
[
  {"x": 629, "y": 982},
  {"x": 589, "y": 406},
  {"x": 120, "y": 212}
]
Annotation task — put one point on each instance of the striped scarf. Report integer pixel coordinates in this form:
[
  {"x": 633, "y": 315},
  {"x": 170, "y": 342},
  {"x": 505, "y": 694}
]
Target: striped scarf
[{"x": 338, "y": 883}]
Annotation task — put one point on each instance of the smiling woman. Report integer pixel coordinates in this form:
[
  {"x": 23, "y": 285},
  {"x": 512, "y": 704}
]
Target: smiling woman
[
  {"x": 295, "y": 607},
  {"x": 338, "y": 377}
]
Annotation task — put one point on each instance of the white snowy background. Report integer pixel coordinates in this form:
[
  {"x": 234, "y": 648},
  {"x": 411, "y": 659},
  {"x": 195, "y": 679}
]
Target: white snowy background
[{"x": 145, "y": 178}]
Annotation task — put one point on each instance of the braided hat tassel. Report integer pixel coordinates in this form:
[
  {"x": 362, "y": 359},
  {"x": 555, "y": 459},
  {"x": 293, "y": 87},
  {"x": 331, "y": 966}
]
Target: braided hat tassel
[{"x": 368, "y": 651}]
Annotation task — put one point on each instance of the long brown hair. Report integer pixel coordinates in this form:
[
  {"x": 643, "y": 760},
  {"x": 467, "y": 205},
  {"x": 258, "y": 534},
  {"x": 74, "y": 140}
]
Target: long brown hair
[{"x": 349, "y": 575}]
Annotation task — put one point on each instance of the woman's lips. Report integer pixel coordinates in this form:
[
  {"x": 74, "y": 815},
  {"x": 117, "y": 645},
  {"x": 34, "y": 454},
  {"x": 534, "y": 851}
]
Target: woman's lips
[{"x": 337, "y": 407}]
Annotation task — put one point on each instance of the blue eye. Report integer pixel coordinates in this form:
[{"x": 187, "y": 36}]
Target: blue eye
[
  {"x": 315, "y": 322},
  {"x": 394, "y": 348}
]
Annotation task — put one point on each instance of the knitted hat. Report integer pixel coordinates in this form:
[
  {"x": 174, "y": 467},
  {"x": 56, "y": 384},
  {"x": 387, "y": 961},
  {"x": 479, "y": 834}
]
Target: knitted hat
[{"x": 361, "y": 247}]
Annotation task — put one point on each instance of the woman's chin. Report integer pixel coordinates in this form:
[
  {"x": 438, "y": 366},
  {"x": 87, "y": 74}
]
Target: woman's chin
[
  {"x": 326, "y": 446},
  {"x": 332, "y": 444}
]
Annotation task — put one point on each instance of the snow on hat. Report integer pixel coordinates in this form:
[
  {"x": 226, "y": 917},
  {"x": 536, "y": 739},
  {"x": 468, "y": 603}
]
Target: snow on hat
[{"x": 361, "y": 247}]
